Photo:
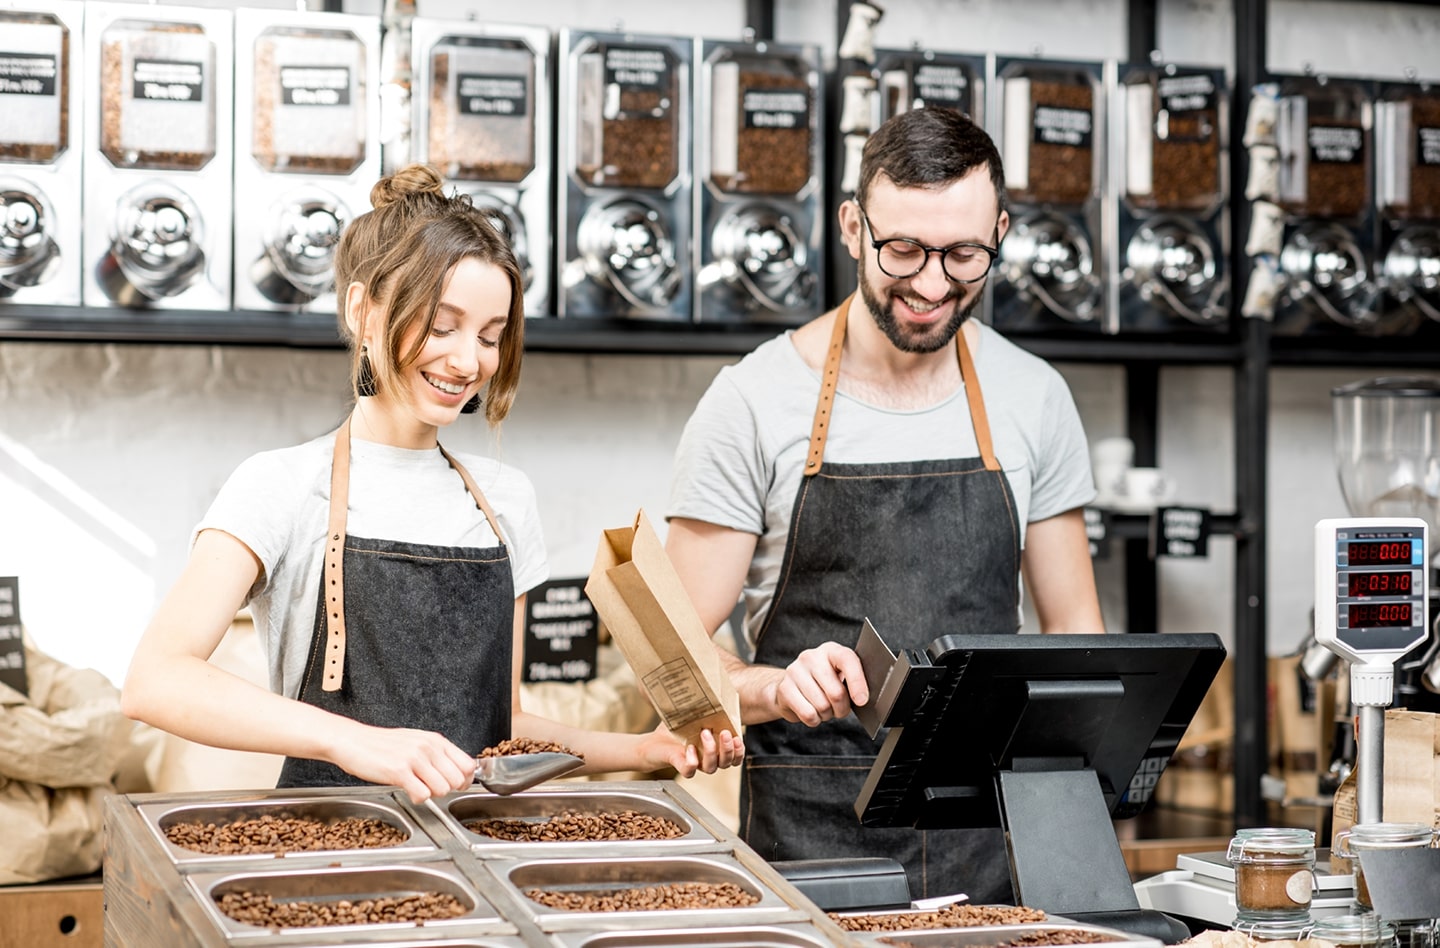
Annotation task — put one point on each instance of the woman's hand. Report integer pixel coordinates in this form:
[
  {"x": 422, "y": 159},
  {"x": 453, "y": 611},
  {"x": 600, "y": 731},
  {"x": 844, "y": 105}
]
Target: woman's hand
[
  {"x": 662, "y": 748},
  {"x": 422, "y": 763}
]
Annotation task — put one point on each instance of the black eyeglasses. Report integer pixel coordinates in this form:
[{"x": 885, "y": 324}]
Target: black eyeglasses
[{"x": 902, "y": 257}]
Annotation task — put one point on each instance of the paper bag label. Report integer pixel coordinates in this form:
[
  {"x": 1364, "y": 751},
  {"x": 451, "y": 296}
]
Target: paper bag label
[{"x": 678, "y": 694}]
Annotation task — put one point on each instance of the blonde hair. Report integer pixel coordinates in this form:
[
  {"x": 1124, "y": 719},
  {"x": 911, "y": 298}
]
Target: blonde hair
[{"x": 402, "y": 252}]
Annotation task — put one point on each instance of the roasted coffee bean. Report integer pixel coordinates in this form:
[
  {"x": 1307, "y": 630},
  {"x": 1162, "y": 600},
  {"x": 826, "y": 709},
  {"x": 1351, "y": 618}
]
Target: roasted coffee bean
[
  {"x": 770, "y": 160},
  {"x": 525, "y": 745},
  {"x": 571, "y": 826},
  {"x": 488, "y": 147},
  {"x": 262, "y": 911},
  {"x": 1054, "y": 936},
  {"x": 283, "y": 834},
  {"x": 652, "y": 898},
  {"x": 1425, "y": 147},
  {"x": 32, "y": 151},
  {"x": 272, "y": 151},
  {"x": 1185, "y": 165},
  {"x": 951, "y": 916},
  {"x": 1337, "y": 188},
  {"x": 1059, "y": 173},
  {"x": 117, "y": 94}
]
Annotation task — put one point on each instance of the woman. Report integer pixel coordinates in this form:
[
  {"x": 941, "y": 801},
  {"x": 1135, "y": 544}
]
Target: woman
[{"x": 410, "y": 663}]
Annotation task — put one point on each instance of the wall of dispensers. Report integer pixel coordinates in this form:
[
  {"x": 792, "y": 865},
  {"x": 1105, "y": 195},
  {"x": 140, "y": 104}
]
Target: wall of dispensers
[{"x": 172, "y": 157}]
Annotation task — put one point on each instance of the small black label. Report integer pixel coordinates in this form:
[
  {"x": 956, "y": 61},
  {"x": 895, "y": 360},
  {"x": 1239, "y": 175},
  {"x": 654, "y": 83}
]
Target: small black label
[
  {"x": 27, "y": 74},
  {"x": 639, "y": 67},
  {"x": 506, "y": 96},
  {"x": 1427, "y": 146},
  {"x": 168, "y": 80},
  {"x": 1186, "y": 93},
  {"x": 1336, "y": 144},
  {"x": 562, "y": 637},
  {"x": 315, "y": 85},
  {"x": 939, "y": 85},
  {"x": 1097, "y": 531},
  {"x": 1180, "y": 533},
  {"x": 1060, "y": 126},
  {"x": 776, "y": 108},
  {"x": 12, "y": 645}
]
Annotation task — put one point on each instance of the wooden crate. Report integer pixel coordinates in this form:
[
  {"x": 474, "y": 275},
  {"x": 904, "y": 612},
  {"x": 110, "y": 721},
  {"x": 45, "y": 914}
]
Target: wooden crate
[{"x": 52, "y": 915}]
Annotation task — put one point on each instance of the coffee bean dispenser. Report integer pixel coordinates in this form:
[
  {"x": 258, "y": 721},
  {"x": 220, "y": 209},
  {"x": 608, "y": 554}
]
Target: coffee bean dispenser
[
  {"x": 758, "y": 188},
  {"x": 306, "y": 152},
  {"x": 482, "y": 104},
  {"x": 1169, "y": 172},
  {"x": 1407, "y": 197},
  {"x": 1048, "y": 117},
  {"x": 1324, "y": 136},
  {"x": 40, "y": 151},
  {"x": 921, "y": 78},
  {"x": 158, "y": 156},
  {"x": 624, "y": 198}
]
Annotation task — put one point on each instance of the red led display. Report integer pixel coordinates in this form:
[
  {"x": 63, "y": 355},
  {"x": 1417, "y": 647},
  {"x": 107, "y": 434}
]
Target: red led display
[
  {"x": 1380, "y": 553},
  {"x": 1379, "y": 615},
  {"x": 1379, "y": 584}
]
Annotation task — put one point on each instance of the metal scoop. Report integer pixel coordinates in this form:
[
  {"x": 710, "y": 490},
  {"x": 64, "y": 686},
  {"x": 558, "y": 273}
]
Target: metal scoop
[{"x": 511, "y": 773}]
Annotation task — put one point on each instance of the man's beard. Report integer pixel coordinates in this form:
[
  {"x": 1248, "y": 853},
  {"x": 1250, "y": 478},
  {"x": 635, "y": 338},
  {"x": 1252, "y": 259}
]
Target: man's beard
[{"x": 930, "y": 339}]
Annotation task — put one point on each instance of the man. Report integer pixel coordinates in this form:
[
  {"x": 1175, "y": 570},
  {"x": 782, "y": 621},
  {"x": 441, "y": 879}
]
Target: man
[{"x": 894, "y": 460}]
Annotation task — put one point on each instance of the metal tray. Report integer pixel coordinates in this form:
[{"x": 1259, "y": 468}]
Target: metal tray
[
  {"x": 766, "y": 936},
  {"x": 605, "y": 875},
  {"x": 160, "y": 816},
  {"x": 537, "y": 807},
  {"x": 334, "y": 883},
  {"x": 989, "y": 936}
]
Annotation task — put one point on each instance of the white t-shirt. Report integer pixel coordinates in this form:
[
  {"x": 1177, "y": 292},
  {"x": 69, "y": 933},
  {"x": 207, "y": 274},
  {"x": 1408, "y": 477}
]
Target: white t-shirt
[
  {"x": 742, "y": 453},
  {"x": 278, "y": 504}
]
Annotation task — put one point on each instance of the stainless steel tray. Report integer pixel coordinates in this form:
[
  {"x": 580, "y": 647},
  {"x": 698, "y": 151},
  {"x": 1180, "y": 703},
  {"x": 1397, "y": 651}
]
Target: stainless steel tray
[
  {"x": 161, "y": 816},
  {"x": 538, "y": 806},
  {"x": 608, "y": 875},
  {"x": 988, "y": 936},
  {"x": 759, "y": 936},
  {"x": 347, "y": 882}
]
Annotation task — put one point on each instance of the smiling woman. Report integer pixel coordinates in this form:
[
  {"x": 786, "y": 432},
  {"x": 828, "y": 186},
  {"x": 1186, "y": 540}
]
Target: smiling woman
[{"x": 387, "y": 588}]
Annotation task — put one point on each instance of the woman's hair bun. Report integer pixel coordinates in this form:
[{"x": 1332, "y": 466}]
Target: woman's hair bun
[{"x": 411, "y": 179}]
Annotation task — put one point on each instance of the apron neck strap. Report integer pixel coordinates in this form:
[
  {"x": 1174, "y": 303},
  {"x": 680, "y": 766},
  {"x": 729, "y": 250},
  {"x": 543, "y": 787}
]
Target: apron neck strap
[
  {"x": 830, "y": 378},
  {"x": 334, "y": 578}
]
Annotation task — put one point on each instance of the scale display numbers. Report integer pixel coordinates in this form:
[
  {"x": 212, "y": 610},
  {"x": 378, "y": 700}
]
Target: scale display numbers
[
  {"x": 1381, "y": 552},
  {"x": 1395, "y": 583},
  {"x": 1381, "y": 615}
]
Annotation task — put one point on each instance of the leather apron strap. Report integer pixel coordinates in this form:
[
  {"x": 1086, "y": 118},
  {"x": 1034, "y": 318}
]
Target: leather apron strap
[
  {"x": 830, "y": 378},
  {"x": 334, "y": 578}
]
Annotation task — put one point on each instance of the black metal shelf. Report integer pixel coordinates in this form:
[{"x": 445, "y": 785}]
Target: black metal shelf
[{"x": 1421, "y": 351}]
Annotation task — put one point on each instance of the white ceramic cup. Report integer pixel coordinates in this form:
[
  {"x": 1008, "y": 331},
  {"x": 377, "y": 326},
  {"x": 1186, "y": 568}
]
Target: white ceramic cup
[
  {"x": 1109, "y": 460},
  {"x": 1145, "y": 488}
]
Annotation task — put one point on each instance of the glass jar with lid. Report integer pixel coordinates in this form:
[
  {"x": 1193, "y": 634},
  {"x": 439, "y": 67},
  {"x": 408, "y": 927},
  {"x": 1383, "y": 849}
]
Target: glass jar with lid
[
  {"x": 1273, "y": 929},
  {"x": 1274, "y": 873},
  {"x": 1354, "y": 931},
  {"x": 1364, "y": 837}
]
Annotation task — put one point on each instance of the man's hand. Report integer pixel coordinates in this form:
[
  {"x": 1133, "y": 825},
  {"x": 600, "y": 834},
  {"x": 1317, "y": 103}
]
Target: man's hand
[{"x": 822, "y": 684}]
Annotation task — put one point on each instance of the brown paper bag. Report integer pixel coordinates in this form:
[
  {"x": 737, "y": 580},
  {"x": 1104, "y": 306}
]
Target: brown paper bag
[
  {"x": 639, "y": 598},
  {"x": 1410, "y": 787}
]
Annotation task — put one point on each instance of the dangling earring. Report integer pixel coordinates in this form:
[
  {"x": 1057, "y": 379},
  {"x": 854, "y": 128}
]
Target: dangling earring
[
  {"x": 365, "y": 381},
  {"x": 472, "y": 406}
]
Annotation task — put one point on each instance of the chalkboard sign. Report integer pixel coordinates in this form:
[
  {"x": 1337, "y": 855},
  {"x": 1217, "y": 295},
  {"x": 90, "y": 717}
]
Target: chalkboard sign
[
  {"x": 562, "y": 634},
  {"x": 12, "y": 647}
]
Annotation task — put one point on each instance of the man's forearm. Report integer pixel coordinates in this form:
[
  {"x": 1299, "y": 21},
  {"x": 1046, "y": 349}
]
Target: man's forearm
[{"x": 756, "y": 685}]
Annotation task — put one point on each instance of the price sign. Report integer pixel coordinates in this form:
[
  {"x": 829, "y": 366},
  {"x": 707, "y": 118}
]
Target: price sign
[
  {"x": 1180, "y": 532},
  {"x": 562, "y": 633},
  {"x": 12, "y": 646}
]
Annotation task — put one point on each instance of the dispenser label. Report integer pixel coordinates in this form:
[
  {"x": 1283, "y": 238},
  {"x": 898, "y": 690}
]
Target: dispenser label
[
  {"x": 776, "y": 108},
  {"x": 168, "y": 80},
  {"x": 507, "y": 96},
  {"x": 1427, "y": 146},
  {"x": 1186, "y": 93},
  {"x": 1337, "y": 144},
  {"x": 27, "y": 74},
  {"x": 942, "y": 85},
  {"x": 1057, "y": 126},
  {"x": 637, "y": 66},
  {"x": 315, "y": 85}
]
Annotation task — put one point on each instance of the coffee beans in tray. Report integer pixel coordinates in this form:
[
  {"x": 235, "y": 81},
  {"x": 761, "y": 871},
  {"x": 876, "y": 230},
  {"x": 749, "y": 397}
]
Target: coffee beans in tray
[
  {"x": 1029, "y": 939},
  {"x": 573, "y": 826},
  {"x": 526, "y": 745},
  {"x": 651, "y": 898},
  {"x": 263, "y": 911},
  {"x": 951, "y": 916},
  {"x": 282, "y": 834}
]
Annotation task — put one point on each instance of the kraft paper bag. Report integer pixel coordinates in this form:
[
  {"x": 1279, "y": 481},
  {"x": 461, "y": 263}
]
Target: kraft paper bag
[{"x": 640, "y": 600}]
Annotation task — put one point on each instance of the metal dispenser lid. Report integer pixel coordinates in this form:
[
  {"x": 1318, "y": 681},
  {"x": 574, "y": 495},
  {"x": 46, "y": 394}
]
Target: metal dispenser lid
[
  {"x": 1411, "y": 269},
  {"x": 158, "y": 238},
  {"x": 511, "y": 224},
  {"x": 1323, "y": 263},
  {"x": 1049, "y": 257},
  {"x": 758, "y": 247},
  {"x": 627, "y": 245},
  {"x": 302, "y": 238},
  {"x": 28, "y": 254},
  {"x": 1173, "y": 263}
]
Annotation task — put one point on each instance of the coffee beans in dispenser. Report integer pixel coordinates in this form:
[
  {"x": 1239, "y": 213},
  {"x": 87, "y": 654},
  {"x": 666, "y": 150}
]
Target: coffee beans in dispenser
[
  {"x": 915, "y": 78},
  {"x": 1323, "y": 133},
  {"x": 40, "y": 152},
  {"x": 481, "y": 103},
  {"x": 1407, "y": 198},
  {"x": 1173, "y": 226},
  {"x": 758, "y": 188},
  {"x": 158, "y": 153},
  {"x": 625, "y": 187},
  {"x": 1048, "y": 118},
  {"x": 306, "y": 151}
]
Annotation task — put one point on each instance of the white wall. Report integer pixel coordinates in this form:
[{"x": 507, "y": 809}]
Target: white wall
[{"x": 109, "y": 453}]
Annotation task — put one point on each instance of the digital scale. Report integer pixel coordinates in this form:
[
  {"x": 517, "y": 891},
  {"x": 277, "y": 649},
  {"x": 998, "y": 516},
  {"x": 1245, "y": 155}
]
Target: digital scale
[{"x": 1371, "y": 599}]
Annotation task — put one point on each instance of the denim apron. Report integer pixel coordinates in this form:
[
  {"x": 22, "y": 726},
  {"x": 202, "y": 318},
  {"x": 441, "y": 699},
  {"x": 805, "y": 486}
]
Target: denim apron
[
  {"x": 923, "y": 549},
  {"x": 408, "y": 634}
]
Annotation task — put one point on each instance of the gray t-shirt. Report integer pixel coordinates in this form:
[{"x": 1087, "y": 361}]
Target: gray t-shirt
[
  {"x": 278, "y": 504},
  {"x": 741, "y": 455}
]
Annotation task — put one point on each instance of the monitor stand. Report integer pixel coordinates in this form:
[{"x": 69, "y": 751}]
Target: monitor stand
[{"x": 1064, "y": 854}]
